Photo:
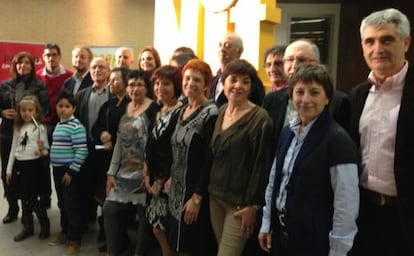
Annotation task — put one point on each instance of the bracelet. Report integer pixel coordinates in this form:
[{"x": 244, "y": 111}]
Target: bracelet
[
  {"x": 196, "y": 199},
  {"x": 257, "y": 207},
  {"x": 158, "y": 186}
]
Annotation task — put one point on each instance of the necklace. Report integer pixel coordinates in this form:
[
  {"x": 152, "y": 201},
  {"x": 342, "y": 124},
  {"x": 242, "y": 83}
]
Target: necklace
[
  {"x": 135, "y": 107},
  {"x": 236, "y": 112},
  {"x": 230, "y": 116}
]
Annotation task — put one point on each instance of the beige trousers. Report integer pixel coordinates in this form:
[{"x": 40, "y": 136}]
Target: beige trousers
[{"x": 226, "y": 228}]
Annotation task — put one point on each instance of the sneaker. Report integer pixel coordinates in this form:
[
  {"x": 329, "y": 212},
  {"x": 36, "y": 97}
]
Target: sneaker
[
  {"x": 72, "y": 249},
  {"x": 58, "y": 239}
]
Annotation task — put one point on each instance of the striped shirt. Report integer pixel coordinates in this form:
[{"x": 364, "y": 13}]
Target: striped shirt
[{"x": 69, "y": 147}]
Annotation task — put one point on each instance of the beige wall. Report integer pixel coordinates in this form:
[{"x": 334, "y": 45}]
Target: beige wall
[{"x": 72, "y": 22}]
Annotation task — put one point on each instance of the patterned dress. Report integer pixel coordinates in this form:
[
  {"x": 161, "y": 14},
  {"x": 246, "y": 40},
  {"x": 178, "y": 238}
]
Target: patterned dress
[
  {"x": 189, "y": 174},
  {"x": 159, "y": 159},
  {"x": 128, "y": 159}
]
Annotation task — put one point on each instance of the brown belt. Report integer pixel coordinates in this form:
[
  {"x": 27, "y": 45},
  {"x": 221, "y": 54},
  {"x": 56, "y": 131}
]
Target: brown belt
[{"x": 377, "y": 198}]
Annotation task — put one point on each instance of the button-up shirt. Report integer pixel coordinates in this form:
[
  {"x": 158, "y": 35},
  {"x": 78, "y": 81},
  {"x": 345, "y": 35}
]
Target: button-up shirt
[{"x": 377, "y": 128}]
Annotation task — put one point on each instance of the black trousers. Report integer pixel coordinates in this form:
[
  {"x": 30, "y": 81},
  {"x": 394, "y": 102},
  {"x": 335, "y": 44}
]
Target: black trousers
[
  {"x": 69, "y": 202},
  {"x": 8, "y": 192},
  {"x": 88, "y": 183},
  {"x": 379, "y": 231}
]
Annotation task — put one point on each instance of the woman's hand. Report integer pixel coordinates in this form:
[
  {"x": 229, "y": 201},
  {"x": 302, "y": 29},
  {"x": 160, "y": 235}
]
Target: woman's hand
[
  {"x": 156, "y": 188},
  {"x": 167, "y": 186},
  {"x": 147, "y": 183},
  {"x": 248, "y": 220},
  {"x": 66, "y": 180},
  {"x": 110, "y": 183},
  {"x": 8, "y": 178},
  {"x": 191, "y": 210},
  {"x": 265, "y": 241}
]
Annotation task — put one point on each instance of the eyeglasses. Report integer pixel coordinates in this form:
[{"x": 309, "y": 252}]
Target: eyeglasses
[{"x": 299, "y": 59}]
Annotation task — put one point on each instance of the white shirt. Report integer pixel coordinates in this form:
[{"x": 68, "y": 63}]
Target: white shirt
[{"x": 24, "y": 145}]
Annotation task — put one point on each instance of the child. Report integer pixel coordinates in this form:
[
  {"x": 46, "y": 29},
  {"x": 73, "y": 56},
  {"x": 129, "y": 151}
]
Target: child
[
  {"x": 68, "y": 152},
  {"x": 29, "y": 145}
]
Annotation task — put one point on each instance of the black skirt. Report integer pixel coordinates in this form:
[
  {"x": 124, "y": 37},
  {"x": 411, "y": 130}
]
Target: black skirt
[{"x": 26, "y": 178}]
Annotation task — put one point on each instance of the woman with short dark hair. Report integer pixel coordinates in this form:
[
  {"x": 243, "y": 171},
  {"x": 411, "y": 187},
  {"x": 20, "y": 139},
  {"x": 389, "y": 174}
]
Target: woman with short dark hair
[{"x": 312, "y": 198}]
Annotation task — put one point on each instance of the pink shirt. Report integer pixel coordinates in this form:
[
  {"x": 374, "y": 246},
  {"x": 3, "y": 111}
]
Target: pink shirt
[{"x": 377, "y": 127}]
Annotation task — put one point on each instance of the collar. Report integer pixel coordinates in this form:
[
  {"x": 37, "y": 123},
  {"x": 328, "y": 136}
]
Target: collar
[
  {"x": 62, "y": 121},
  {"x": 279, "y": 86},
  {"x": 391, "y": 81},
  {"x": 295, "y": 125},
  {"x": 62, "y": 71},
  {"x": 95, "y": 90},
  {"x": 76, "y": 76}
]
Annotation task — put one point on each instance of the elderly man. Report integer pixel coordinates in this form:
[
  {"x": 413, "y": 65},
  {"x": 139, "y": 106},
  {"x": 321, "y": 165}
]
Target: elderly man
[
  {"x": 278, "y": 103},
  {"x": 124, "y": 57},
  {"x": 90, "y": 101},
  {"x": 231, "y": 48}
]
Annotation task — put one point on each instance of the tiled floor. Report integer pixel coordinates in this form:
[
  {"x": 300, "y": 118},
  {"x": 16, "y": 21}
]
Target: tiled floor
[{"x": 34, "y": 246}]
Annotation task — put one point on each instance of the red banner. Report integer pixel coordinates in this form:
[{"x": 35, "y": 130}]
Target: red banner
[{"x": 9, "y": 49}]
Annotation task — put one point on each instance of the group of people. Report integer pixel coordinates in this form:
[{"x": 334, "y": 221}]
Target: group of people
[{"x": 211, "y": 165}]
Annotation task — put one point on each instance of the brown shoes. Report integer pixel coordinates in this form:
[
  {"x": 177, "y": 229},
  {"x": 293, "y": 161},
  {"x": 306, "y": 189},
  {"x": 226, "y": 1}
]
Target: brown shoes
[
  {"x": 72, "y": 249},
  {"x": 58, "y": 239}
]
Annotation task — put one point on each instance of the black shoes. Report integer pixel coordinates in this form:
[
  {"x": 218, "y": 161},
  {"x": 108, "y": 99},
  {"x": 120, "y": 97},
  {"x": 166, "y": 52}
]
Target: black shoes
[
  {"x": 44, "y": 230},
  {"x": 25, "y": 233},
  {"x": 10, "y": 217},
  {"x": 102, "y": 248}
]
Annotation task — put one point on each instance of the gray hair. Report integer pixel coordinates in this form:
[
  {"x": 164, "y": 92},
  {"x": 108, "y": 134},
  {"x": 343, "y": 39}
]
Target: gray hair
[
  {"x": 275, "y": 50},
  {"x": 236, "y": 39},
  {"x": 314, "y": 47},
  {"x": 387, "y": 16}
]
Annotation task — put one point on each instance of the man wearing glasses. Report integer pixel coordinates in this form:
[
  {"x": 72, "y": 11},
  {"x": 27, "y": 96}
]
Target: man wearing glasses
[{"x": 278, "y": 103}]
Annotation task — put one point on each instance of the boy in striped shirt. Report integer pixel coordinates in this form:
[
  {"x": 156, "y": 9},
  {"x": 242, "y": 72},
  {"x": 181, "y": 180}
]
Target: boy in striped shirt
[{"x": 67, "y": 154}]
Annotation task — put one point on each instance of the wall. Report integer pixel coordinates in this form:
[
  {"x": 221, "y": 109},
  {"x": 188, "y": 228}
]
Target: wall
[
  {"x": 86, "y": 22},
  {"x": 310, "y": 10}
]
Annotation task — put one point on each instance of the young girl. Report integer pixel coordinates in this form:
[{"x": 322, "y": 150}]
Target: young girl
[{"x": 29, "y": 145}]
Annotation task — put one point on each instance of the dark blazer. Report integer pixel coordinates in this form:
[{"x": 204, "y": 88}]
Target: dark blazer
[
  {"x": 404, "y": 148},
  {"x": 69, "y": 83},
  {"x": 276, "y": 104},
  {"x": 81, "y": 112},
  {"x": 256, "y": 96}
]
